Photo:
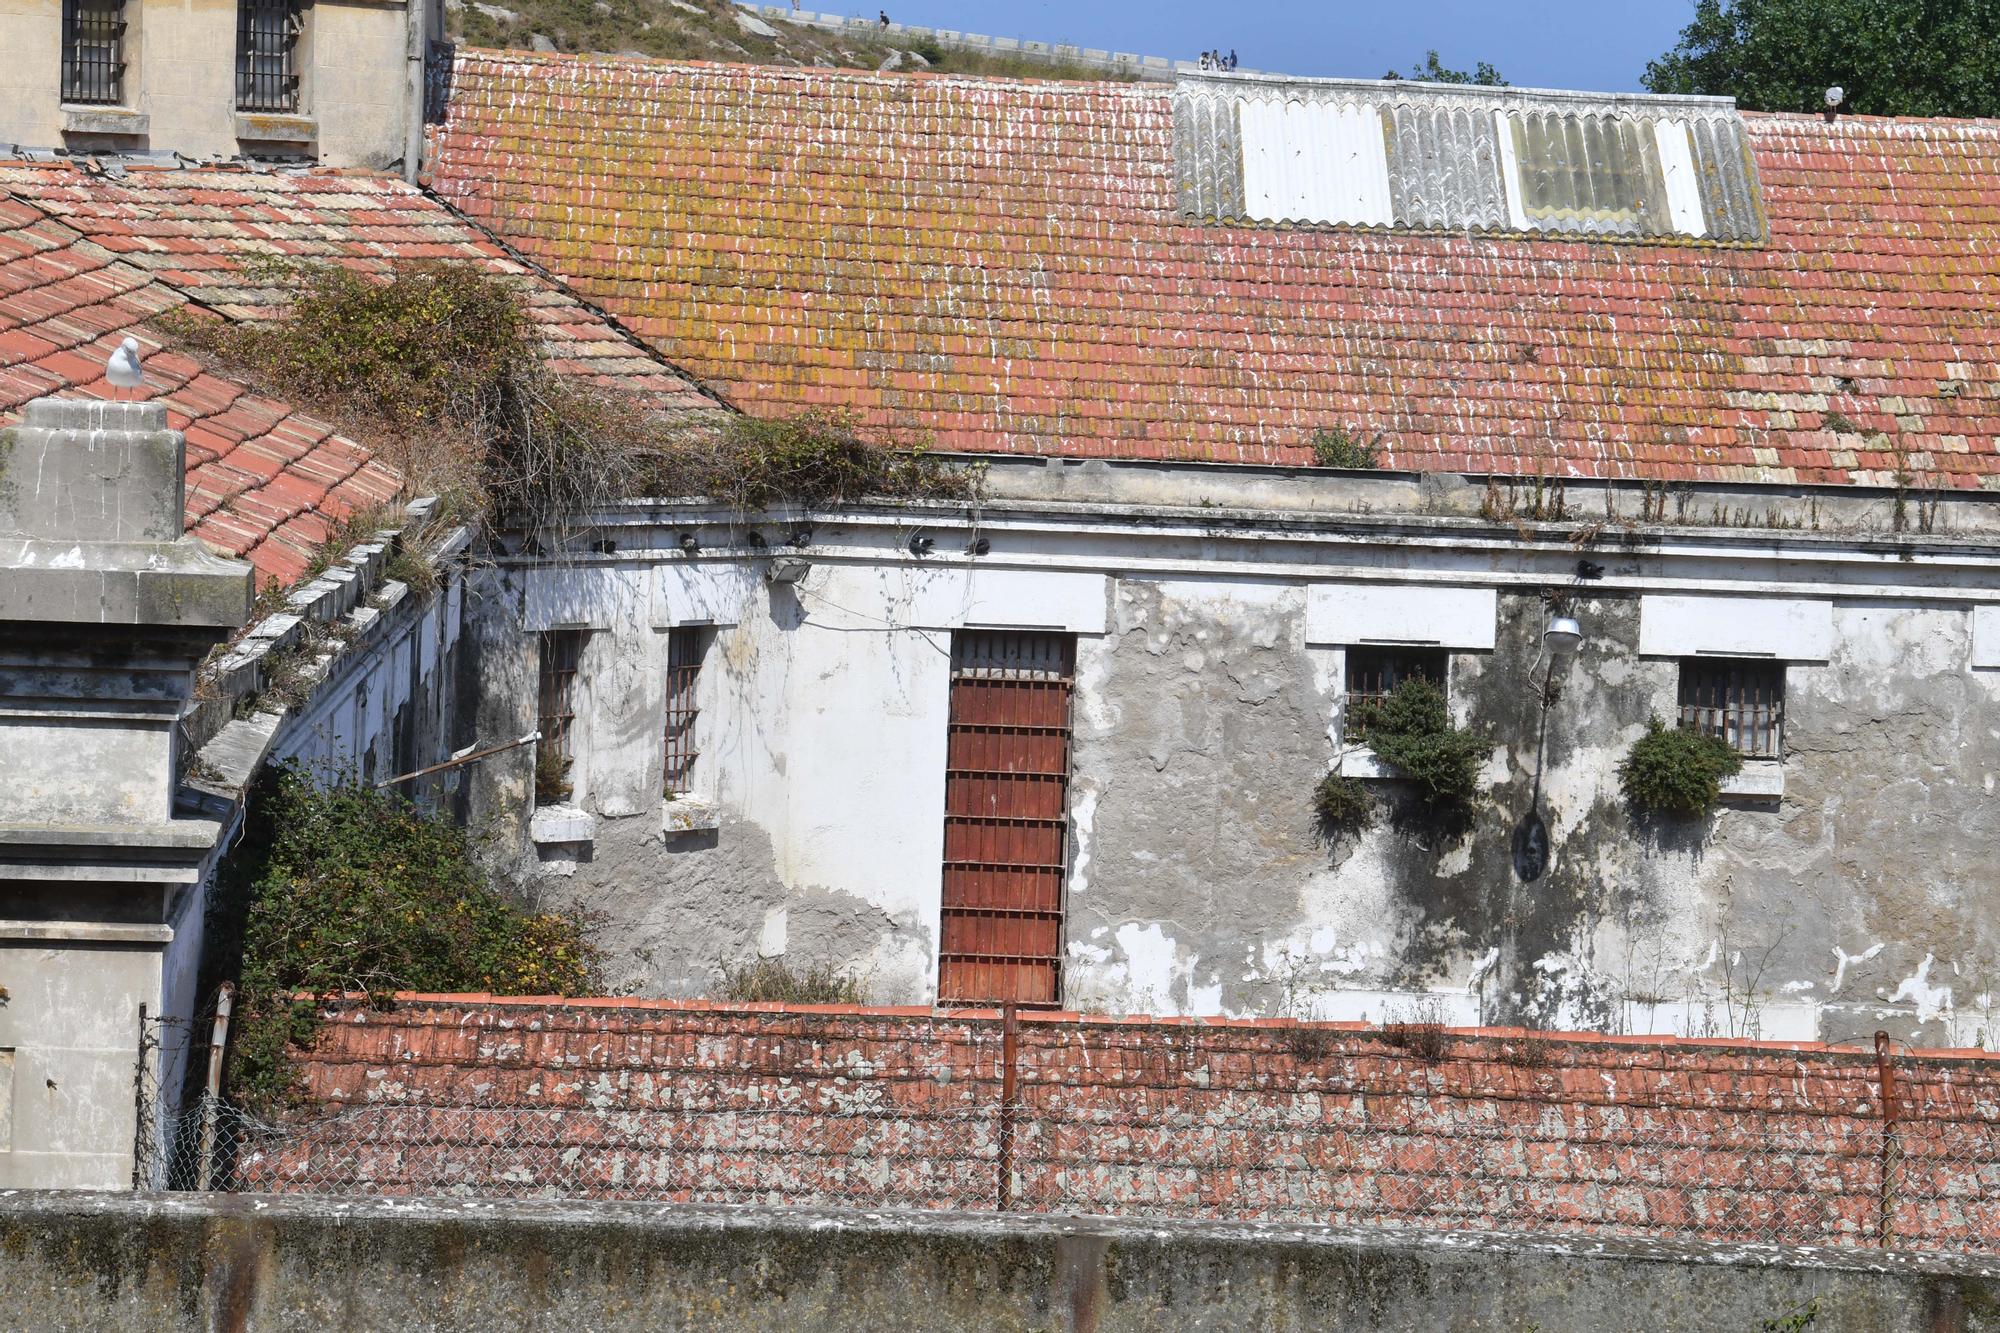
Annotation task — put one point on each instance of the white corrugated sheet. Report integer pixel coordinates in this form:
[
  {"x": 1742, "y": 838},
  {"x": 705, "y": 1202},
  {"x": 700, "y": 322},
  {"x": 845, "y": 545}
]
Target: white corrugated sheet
[
  {"x": 1683, "y": 185},
  {"x": 1314, "y": 161}
]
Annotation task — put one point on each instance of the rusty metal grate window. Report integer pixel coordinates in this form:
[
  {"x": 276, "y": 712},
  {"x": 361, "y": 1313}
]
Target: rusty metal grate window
[
  {"x": 1743, "y": 702},
  {"x": 267, "y": 49},
  {"x": 1374, "y": 673},
  {"x": 93, "y": 51},
  {"x": 1006, "y": 826},
  {"x": 555, "y": 708},
  {"x": 685, "y": 649}
]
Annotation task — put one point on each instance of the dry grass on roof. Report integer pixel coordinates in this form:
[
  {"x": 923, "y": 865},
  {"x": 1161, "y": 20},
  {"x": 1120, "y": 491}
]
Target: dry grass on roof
[{"x": 438, "y": 367}]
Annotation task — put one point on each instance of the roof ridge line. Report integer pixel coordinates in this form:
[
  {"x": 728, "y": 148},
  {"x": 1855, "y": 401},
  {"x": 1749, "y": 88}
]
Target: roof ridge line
[
  {"x": 1129, "y": 87},
  {"x": 561, "y": 284}
]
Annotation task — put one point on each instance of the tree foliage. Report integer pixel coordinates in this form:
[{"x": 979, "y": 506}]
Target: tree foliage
[
  {"x": 351, "y": 890},
  {"x": 1891, "y": 57},
  {"x": 1432, "y": 70}
]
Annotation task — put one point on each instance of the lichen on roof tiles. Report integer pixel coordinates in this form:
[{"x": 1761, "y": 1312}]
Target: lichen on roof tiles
[{"x": 1008, "y": 265}]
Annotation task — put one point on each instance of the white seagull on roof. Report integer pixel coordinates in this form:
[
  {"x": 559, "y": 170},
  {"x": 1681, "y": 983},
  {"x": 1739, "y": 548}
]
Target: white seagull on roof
[{"x": 124, "y": 370}]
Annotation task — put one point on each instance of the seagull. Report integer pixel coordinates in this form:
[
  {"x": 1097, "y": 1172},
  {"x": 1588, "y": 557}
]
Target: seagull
[{"x": 124, "y": 370}]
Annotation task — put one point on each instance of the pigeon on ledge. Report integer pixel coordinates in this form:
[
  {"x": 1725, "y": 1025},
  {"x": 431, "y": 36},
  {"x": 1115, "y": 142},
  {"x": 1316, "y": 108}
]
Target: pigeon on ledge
[{"x": 124, "y": 370}]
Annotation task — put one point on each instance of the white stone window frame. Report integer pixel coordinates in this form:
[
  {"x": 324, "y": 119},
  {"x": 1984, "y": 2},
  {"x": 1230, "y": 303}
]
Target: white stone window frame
[
  {"x": 1787, "y": 630},
  {"x": 1431, "y": 616}
]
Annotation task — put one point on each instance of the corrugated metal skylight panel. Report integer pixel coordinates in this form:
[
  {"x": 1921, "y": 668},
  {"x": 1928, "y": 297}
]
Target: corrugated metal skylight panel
[{"x": 1432, "y": 157}]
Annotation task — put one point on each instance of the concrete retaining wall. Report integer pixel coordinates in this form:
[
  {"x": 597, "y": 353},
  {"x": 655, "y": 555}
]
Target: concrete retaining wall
[{"x": 141, "y": 1262}]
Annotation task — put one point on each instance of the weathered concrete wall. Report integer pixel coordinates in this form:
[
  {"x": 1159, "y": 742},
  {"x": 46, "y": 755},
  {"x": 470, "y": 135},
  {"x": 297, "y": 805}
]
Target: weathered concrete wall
[
  {"x": 1205, "y": 710},
  {"x": 196, "y": 1262}
]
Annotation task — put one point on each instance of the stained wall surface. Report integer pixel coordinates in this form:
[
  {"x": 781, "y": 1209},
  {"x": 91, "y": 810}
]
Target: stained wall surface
[{"x": 1839, "y": 890}]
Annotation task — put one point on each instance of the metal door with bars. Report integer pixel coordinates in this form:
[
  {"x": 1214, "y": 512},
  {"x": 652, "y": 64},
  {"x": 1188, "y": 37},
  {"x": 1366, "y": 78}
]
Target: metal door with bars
[{"x": 1006, "y": 827}]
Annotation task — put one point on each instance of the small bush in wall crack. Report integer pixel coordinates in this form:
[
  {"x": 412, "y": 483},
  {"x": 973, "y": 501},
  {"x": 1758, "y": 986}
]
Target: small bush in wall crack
[
  {"x": 1672, "y": 771},
  {"x": 1411, "y": 731},
  {"x": 1343, "y": 804}
]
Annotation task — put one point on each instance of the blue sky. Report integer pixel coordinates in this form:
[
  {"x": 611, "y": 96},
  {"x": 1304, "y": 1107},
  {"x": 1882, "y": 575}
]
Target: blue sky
[{"x": 1587, "y": 44}]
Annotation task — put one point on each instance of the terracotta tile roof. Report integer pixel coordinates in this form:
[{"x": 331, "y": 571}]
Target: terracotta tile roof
[
  {"x": 86, "y": 259},
  {"x": 1004, "y": 263}
]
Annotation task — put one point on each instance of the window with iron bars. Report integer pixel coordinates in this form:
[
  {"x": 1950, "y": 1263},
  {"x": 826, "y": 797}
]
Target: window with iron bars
[
  {"x": 93, "y": 51},
  {"x": 267, "y": 53},
  {"x": 1374, "y": 673},
  {"x": 1741, "y": 701},
  {"x": 685, "y": 648},
  {"x": 555, "y": 710}
]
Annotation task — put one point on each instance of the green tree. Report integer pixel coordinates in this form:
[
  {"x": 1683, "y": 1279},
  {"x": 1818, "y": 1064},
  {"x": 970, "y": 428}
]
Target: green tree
[
  {"x": 1432, "y": 71},
  {"x": 1891, "y": 57}
]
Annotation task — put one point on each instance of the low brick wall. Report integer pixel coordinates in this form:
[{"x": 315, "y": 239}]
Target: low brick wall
[{"x": 1325, "y": 1123}]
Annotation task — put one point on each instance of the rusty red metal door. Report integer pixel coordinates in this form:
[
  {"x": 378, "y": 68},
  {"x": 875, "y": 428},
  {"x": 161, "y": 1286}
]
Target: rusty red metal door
[{"x": 1006, "y": 826}]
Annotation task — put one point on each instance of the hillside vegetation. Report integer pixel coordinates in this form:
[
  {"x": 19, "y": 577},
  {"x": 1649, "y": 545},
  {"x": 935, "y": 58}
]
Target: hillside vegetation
[{"x": 713, "y": 30}]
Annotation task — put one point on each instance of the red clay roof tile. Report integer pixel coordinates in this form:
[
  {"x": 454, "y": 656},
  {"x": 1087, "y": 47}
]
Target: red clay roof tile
[
  {"x": 1004, "y": 263},
  {"x": 86, "y": 259}
]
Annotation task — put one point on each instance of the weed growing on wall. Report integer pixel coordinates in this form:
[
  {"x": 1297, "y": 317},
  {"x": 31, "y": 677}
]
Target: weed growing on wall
[
  {"x": 1343, "y": 804},
  {"x": 814, "y": 458},
  {"x": 1411, "y": 730},
  {"x": 1673, "y": 771},
  {"x": 348, "y": 890},
  {"x": 771, "y": 980},
  {"x": 1337, "y": 446}
]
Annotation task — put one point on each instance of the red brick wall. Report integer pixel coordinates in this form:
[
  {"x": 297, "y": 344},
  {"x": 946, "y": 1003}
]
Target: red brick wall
[{"x": 1324, "y": 1122}]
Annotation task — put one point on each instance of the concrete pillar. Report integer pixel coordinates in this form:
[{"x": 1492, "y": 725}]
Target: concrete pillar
[{"x": 106, "y": 609}]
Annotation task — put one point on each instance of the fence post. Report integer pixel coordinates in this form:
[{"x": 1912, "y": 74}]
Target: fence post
[
  {"x": 225, "y": 1000},
  {"x": 1008, "y": 1048},
  {"x": 142, "y": 1150},
  {"x": 1885, "y": 1077}
]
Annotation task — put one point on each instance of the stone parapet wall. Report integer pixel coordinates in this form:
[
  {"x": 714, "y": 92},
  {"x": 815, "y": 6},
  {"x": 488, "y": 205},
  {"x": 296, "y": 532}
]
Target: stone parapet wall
[{"x": 114, "y": 1263}]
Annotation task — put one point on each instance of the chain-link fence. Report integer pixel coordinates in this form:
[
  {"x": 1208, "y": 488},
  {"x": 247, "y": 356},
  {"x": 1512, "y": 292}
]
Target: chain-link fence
[{"x": 1732, "y": 1170}]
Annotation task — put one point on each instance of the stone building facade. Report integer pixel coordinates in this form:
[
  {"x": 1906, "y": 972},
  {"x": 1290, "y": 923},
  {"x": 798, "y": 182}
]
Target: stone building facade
[
  {"x": 1210, "y": 648},
  {"x": 340, "y": 84}
]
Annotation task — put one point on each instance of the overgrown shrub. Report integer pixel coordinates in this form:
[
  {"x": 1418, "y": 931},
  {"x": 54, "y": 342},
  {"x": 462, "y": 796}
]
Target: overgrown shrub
[
  {"x": 771, "y": 980},
  {"x": 350, "y": 889},
  {"x": 439, "y": 365},
  {"x": 1343, "y": 804},
  {"x": 1337, "y": 446},
  {"x": 552, "y": 784},
  {"x": 1675, "y": 771},
  {"x": 1411, "y": 730}
]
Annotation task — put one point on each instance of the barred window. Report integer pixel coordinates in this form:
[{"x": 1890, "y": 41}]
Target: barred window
[
  {"x": 685, "y": 648},
  {"x": 93, "y": 51},
  {"x": 267, "y": 48},
  {"x": 1374, "y": 673},
  {"x": 555, "y": 708},
  {"x": 1740, "y": 700}
]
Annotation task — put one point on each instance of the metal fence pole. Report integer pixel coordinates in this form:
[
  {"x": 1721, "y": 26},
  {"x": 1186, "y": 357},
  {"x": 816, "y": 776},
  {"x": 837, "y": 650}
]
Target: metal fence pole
[
  {"x": 143, "y": 1139},
  {"x": 225, "y": 999},
  {"x": 1885, "y": 1076},
  {"x": 1008, "y": 1050}
]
